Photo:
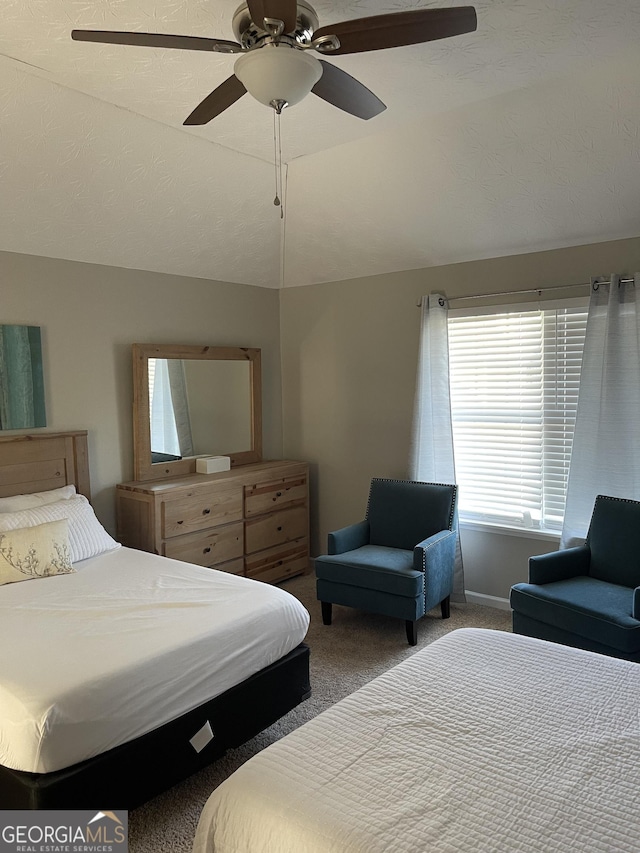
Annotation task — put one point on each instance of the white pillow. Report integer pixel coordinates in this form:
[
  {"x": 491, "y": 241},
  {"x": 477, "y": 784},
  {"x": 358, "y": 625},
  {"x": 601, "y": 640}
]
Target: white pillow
[
  {"x": 17, "y": 502},
  {"x": 87, "y": 537},
  {"x": 35, "y": 552}
]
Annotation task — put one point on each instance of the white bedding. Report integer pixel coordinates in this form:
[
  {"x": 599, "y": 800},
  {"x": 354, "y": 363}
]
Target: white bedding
[
  {"x": 484, "y": 742},
  {"x": 94, "y": 659}
]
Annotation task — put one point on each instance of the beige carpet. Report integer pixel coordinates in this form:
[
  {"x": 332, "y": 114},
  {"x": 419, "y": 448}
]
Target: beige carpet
[{"x": 356, "y": 648}]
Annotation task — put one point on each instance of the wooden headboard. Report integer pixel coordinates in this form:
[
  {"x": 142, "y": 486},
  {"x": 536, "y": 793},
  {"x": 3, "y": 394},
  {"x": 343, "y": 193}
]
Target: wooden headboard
[{"x": 40, "y": 461}]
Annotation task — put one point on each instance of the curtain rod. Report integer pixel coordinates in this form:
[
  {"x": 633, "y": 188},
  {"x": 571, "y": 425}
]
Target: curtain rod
[{"x": 538, "y": 290}]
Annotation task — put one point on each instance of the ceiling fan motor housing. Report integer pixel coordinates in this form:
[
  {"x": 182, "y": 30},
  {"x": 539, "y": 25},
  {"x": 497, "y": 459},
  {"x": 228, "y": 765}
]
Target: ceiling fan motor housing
[{"x": 251, "y": 33}]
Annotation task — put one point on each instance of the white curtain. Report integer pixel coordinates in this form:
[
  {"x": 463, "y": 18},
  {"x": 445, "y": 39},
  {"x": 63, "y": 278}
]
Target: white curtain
[
  {"x": 605, "y": 458},
  {"x": 164, "y": 437},
  {"x": 432, "y": 458},
  {"x": 170, "y": 422},
  {"x": 180, "y": 403}
]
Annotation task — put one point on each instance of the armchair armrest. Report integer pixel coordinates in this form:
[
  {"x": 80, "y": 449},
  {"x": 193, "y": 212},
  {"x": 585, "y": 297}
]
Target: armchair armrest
[
  {"x": 559, "y": 565},
  {"x": 636, "y": 603},
  {"x": 435, "y": 557},
  {"x": 349, "y": 538},
  {"x": 434, "y": 549}
]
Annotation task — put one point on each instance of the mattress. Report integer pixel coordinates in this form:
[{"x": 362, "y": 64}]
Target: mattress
[
  {"x": 129, "y": 642},
  {"x": 485, "y": 742}
]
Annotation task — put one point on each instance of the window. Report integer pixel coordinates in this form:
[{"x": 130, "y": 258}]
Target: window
[{"x": 514, "y": 392}]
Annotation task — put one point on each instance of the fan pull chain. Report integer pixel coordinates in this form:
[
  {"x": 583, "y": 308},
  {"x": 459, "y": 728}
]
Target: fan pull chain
[
  {"x": 277, "y": 158},
  {"x": 276, "y": 200},
  {"x": 279, "y": 119}
]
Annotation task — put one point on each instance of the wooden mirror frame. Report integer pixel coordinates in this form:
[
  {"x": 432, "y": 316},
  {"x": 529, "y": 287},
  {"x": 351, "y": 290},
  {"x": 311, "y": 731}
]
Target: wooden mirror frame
[{"x": 143, "y": 467}]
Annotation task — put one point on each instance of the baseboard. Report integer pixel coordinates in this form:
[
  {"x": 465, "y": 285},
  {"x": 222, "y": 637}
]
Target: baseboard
[{"x": 487, "y": 600}]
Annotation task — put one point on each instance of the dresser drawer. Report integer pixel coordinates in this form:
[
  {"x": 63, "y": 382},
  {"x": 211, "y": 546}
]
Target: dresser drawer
[
  {"x": 278, "y": 563},
  {"x": 266, "y": 497},
  {"x": 275, "y": 529},
  {"x": 234, "y": 567},
  {"x": 207, "y": 548},
  {"x": 200, "y": 510}
]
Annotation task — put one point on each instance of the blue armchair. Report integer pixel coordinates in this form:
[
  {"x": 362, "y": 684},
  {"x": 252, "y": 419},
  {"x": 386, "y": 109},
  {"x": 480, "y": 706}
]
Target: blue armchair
[
  {"x": 398, "y": 561},
  {"x": 589, "y": 596}
]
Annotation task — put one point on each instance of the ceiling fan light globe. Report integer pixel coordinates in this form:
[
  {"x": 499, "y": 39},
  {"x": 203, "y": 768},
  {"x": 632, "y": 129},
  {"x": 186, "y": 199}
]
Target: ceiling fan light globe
[{"x": 274, "y": 73}]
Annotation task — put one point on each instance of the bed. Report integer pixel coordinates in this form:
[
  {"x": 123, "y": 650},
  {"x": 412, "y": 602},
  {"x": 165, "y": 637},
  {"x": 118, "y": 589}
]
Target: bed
[
  {"x": 483, "y": 741},
  {"x": 128, "y": 671}
]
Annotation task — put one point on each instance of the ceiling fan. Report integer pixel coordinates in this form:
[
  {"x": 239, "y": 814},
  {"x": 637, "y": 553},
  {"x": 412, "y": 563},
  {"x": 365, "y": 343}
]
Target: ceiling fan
[{"x": 274, "y": 37}]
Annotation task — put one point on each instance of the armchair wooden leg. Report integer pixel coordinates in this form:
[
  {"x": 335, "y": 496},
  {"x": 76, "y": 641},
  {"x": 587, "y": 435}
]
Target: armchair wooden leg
[
  {"x": 326, "y": 612},
  {"x": 412, "y": 632},
  {"x": 444, "y": 606}
]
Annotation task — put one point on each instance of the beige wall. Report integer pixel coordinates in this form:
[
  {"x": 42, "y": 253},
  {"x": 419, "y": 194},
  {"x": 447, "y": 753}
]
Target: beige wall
[
  {"x": 349, "y": 355},
  {"x": 90, "y": 315},
  {"x": 346, "y": 359}
]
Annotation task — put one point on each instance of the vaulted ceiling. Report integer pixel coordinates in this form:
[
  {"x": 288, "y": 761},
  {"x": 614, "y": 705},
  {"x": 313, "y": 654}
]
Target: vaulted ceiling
[{"x": 522, "y": 136}]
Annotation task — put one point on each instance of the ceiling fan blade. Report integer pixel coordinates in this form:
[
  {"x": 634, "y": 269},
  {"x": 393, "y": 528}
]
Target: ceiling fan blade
[
  {"x": 398, "y": 29},
  {"x": 157, "y": 40},
  {"x": 345, "y": 92},
  {"x": 226, "y": 94},
  {"x": 280, "y": 10}
]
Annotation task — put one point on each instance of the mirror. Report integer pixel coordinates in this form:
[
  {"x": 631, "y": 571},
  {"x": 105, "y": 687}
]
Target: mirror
[{"x": 194, "y": 401}]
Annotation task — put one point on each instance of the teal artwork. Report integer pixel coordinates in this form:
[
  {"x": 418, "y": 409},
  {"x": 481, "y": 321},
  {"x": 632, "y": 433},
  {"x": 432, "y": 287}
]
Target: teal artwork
[{"x": 21, "y": 378}]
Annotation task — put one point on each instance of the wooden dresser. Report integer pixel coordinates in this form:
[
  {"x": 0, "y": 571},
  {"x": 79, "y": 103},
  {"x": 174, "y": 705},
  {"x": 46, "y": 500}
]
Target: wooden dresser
[{"x": 252, "y": 520}]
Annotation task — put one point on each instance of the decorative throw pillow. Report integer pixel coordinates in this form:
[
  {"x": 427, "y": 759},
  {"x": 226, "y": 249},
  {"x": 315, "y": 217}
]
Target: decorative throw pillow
[
  {"x": 17, "y": 502},
  {"x": 87, "y": 537},
  {"x": 35, "y": 552}
]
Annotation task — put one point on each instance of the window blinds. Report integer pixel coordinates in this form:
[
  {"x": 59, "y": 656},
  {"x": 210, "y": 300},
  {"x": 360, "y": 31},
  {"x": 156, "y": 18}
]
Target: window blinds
[{"x": 514, "y": 389}]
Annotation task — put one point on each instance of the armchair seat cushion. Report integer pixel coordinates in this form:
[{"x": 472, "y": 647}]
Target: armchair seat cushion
[
  {"x": 586, "y": 606},
  {"x": 373, "y": 567}
]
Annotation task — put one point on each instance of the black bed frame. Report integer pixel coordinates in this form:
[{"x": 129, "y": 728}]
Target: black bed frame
[{"x": 131, "y": 774}]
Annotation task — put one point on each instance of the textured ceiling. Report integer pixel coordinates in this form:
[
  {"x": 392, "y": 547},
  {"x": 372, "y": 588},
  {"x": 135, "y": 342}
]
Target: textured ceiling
[{"x": 520, "y": 137}]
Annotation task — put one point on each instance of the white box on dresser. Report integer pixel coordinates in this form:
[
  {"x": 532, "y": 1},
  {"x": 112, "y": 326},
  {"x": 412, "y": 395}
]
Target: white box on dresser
[
  {"x": 252, "y": 520},
  {"x": 212, "y": 464}
]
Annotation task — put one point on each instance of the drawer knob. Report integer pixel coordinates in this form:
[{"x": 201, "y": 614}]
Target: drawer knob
[
  {"x": 279, "y": 528},
  {"x": 180, "y": 522},
  {"x": 278, "y": 494},
  {"x": 206, "y": 511},
  {"x": 206, "y": 550}
]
